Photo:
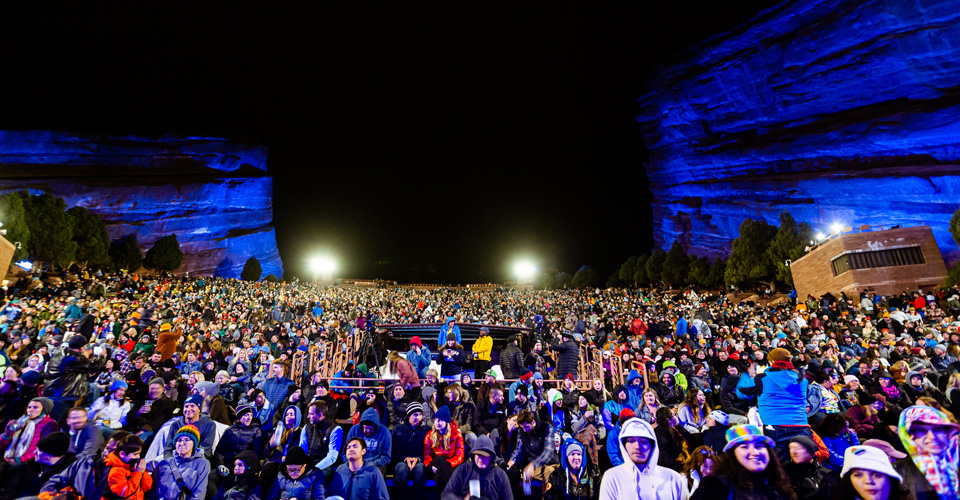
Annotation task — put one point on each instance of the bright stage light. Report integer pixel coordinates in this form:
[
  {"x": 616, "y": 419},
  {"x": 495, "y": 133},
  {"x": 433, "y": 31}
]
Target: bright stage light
[
  {"x": 836, "y": 228},
  {"x": 819, "y": 236},
  {"x": 26, "y": 265},
  {"x": 524, "y": 270},
  {"x": 322, "y": 265}
]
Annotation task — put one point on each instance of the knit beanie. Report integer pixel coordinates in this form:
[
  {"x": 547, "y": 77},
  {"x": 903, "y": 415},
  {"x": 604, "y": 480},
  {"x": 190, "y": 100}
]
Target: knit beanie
[
  {"x": 45, "y": 403},
  {"x": 77, "y": 341},
  {"x": 194, "y": 400},
  {"x": 191, "y": 432},
  {"x": 442, "y": 414},
  {"x": 807, "y": 444},
  {"x": 156, "y": 380},
  {"x": 243, "y": 410},
  {"x": 118, "y": 384},
  {"x": 55, "y": 444},
  {"x": 250, "y": 459},
  {"x": 413, "y": 408},
  {"x": 721, "y": 417}
]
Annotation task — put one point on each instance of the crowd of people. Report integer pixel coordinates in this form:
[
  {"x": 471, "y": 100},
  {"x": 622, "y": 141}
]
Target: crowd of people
[{"x": 125, "y": 386}]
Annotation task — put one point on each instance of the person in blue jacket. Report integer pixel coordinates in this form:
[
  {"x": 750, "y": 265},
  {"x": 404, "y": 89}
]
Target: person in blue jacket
[
  {"x": 377, "y": 438},
  {"x": 419, "y": 357},
  {"x": 357, "y": 479},
  {"x": 634, "y": 389},
  {"x": 781, "y": 400},
  {"x": 612, "y": 408},
  {"x": 449, "y": 328},
  {"x": 613, "y": 436}
]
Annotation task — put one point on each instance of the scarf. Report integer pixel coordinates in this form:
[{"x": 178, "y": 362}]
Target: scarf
[
  {"x": 892, "y": 391},
  {"x": 25, "y": 428},
  {"x": 783, "y": 365},
  {"x": 940, "y": 470}
]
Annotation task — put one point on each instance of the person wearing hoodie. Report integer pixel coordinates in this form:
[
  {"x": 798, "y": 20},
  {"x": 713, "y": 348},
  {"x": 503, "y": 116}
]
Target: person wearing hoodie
[
  {"x": 576, "y": 478},
  {"x": 242, "y": 436},
  {"x": 243, "y": 484},
  {"x": 613, "y": 436},
  {"x": 634, "y": 389},
  {"x": 915, "y": 387},
  {"x": 493, "y": 481},
  {"x": 376, "y": 438},
  {"x": 297, "y": 480},
  {"x": 449, "y": 330},
  {"x": 419, "y": 356},
  {"x": 671, "y": 366},
  {"x": 931, "y": 441},
  {"x": 639, "y": 477},
  {"x": 193, "y": 469},
  {"x": 408, "y": 447},
  {"x": 356, "y": 479},
  {"x": 285, "y": 436},
  {"x": 782, "y": 400},
  {"x": 451, "y": 359},
  {"x": 613, "y": 407},
  {"x": 669, "y": 391}
]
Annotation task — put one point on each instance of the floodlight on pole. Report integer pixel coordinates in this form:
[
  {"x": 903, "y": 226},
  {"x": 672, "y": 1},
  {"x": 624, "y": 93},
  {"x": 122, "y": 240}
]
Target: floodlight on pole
[
  {"x": 836, "y": 228},
  {"x": 819, "y": 236}
]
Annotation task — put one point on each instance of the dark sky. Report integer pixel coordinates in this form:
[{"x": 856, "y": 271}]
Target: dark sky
[{"x": 418, "y": 142}]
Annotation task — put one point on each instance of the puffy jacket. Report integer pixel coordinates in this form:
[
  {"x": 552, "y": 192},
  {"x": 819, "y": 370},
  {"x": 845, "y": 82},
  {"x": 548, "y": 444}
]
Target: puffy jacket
[
  {"x": 442, "y": 339},
  {"x": 309, "y": 486},
  {"x": 634, "y": 392},
  {"x": 275, "y": 389},
  {"x": 236, "y": 439},
  {"x": 126, "y": 483},
  {"x": 511, "y": 362},
  {"x": 568, "y": 357},
  {"x": 482, "y": 348},
  {"x": 453, "y": 453}
]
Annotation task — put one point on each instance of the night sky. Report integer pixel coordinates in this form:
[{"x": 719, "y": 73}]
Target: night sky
[{"x": 418, "y": 143}]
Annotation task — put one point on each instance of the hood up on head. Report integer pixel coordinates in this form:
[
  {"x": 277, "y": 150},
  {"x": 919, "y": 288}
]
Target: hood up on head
[{"x": 636, "y": 427}]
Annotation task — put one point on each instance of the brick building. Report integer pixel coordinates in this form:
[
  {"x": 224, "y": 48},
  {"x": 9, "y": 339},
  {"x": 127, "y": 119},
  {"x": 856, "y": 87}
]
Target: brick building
[{"x": 885, "y": 262}]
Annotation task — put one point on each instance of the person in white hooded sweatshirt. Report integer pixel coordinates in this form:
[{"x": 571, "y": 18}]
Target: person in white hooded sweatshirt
[{"x": 639, "y": 477}]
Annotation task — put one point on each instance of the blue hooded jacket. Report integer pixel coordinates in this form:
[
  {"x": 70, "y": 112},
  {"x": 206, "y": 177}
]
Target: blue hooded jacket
[
  {"x": 378, "y": 445},
  {"x": 782, "y": 396},
  {"x": 442, "y": 339},
  {"x": 634, "y": 393}
]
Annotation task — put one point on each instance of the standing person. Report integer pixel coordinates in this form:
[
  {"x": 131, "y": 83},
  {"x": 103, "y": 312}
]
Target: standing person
[
  {"x": 493, "y": 481},
  {"x": 868, "y": 475},
  {"x": 167, "y": 341},
  {"x": 782, "y": 400},
  {"x": 408, "y": 446},
  {"x": 275, "y": 387},
  {"x": 639, "y": 477},
  {"x": 481, "y": 352},
  {"x": 443, "y": 448},
  {"x": 66, "y": 375},
  {"x": 419, "y": 356},
  {"x": 511, "y": 360},
  {"x": 931, "y": 441},
  {"x": 186, "y": 471},
  {"x": 747, "y": 469},
  {"x": 452, "y": 359},
  {"x": 355, "y": 479},
  {"x": 568, "y": 355},
  {"x": 449, "y": 330}
]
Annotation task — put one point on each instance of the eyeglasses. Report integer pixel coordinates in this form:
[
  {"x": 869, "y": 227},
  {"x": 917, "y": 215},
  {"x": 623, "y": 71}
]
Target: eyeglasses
[{"x": 707, "y": 452}]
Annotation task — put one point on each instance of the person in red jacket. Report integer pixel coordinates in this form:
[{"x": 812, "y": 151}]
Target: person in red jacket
[
  {"x": 128, "y": 478},
  {"x": 442, "y": 448}
]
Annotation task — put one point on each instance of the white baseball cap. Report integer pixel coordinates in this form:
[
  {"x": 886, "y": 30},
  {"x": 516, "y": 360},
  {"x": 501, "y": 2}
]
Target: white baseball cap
[{"x": 869, "y": 458}]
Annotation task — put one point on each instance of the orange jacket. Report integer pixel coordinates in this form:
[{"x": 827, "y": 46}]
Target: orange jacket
[{"x": 129, "y": 484}]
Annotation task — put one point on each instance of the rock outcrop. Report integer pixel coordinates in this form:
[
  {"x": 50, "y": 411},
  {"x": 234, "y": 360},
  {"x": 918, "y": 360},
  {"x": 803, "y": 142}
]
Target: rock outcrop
[
  {"x": 838, "y": 111},
  {"x": 214, "y": 194}
]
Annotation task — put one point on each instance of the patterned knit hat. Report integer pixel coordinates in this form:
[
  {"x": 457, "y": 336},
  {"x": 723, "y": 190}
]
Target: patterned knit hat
[
  {"x": 746, "y": 434},
  {"x": 191, "y": 432}
]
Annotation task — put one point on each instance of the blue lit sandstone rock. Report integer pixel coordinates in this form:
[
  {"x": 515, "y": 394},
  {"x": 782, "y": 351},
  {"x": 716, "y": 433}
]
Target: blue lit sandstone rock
[
  {"x": 214, "y": 194},
  {"x": 834, "y": 110}
]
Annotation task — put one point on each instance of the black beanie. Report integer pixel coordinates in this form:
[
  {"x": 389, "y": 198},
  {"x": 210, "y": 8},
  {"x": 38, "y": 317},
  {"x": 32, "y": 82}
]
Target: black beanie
[{"x": 55, "y": 444}]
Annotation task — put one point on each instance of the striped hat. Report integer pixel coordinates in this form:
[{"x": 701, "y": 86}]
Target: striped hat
[
  {"x": 191, "y": 432},
  {"x": 746, "y": 434}
]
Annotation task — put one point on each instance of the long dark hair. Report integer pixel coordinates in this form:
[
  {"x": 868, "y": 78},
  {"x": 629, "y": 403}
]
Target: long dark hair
[
  {"x": 729, "y": 468},
  {"x": 832, "y": 425},
  {"x": 898, "y": 491}
]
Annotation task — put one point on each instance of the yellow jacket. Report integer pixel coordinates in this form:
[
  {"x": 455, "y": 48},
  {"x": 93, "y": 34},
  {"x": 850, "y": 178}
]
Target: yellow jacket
[{"x": 482, "y": 348}]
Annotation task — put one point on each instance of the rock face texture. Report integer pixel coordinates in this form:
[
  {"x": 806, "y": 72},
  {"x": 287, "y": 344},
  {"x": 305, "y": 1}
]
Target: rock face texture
[
  {"x": 215, "y": 195},
  {"x": 838, "y": 111}
]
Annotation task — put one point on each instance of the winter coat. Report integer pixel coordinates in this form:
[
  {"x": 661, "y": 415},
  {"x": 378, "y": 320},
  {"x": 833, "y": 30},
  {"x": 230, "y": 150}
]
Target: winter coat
[
  {"x": 66, "y": 374},
  {"x": 208, "y": 434},
  {"x": 634, "y": 392},
  {"x": 309, "y": 486},
  {"x": 453, "y": 453},
  {"x": 408, "y": 441},
  {"x": 511, "y": 362},
  {"x": 83, "y": 475},
  {"x": 861, "y": 421},
  {"x": 246, "y": 487},
  {"x": 236, "y": 439},
  {"x": 275, "y": 389},
  {"x": 717, "y": 488},
  {"x": 565, "y": 484},
  {"x": 568, "y": 356},
  {"x": 125, "y": 482},
  {"x": 837, "y": 445},
  {"x": 729, "y": 401},
  {"x": 630, "y": 482},
  {"x": 445, "y": 330},
  {"x": 407, "y": 374},
  {"x": 195, "y": 471},
  {"x": 494, "y": 483}
]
